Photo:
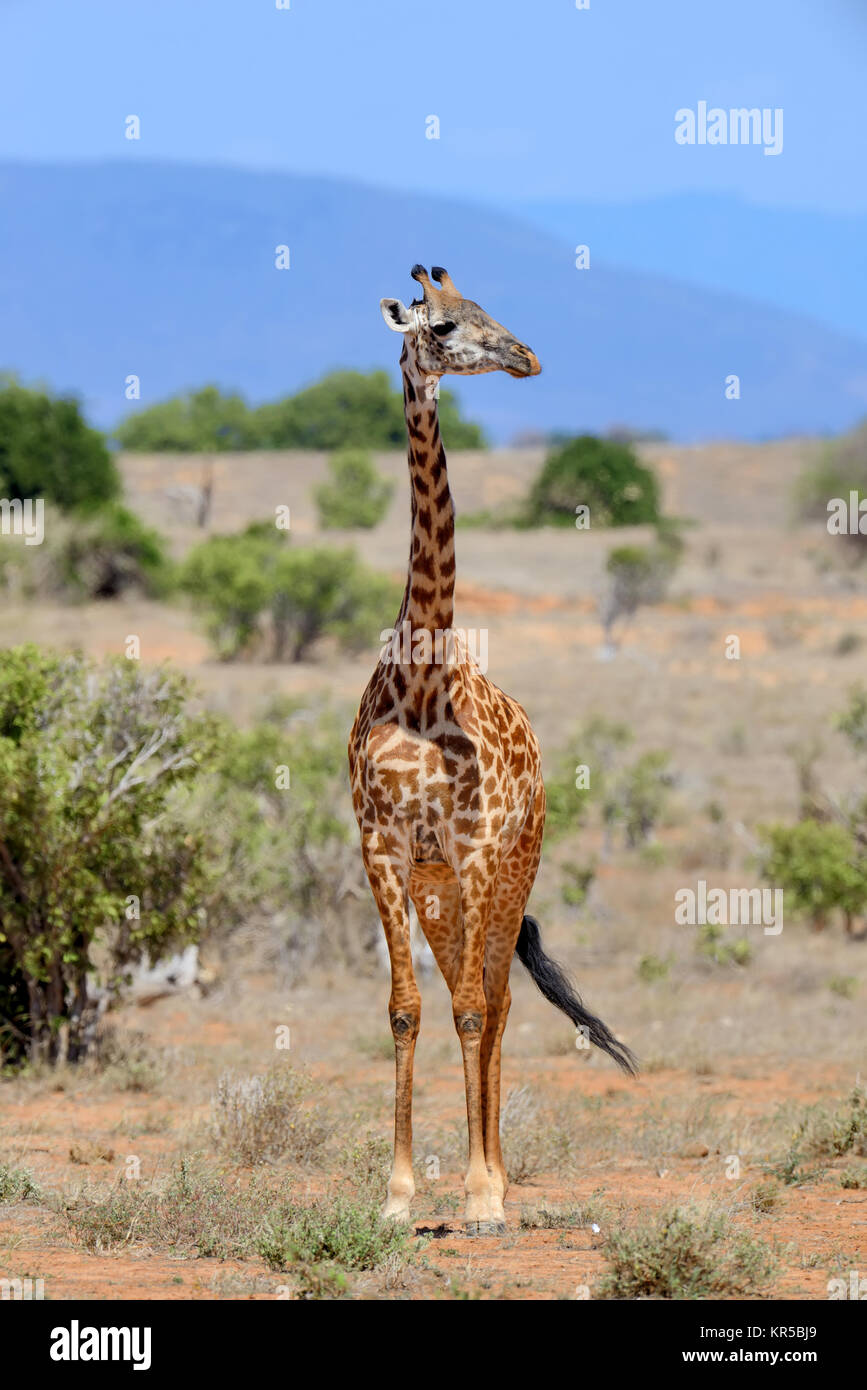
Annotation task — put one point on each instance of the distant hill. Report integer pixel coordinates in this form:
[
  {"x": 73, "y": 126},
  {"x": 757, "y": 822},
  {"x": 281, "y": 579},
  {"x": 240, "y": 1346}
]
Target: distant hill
[
  {"x": 806, "y": 261},
  {"x": 167, "y": 271}
]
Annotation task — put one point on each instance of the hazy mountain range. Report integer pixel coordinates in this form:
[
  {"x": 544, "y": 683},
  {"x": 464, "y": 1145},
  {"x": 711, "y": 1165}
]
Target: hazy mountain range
[{"x": 168, "y": 272}]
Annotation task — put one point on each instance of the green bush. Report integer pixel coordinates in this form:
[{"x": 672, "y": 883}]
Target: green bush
[
  {"x": 106, "y": 552},
  {"x": 818, "y": 865},
  {"x": 345, "y": 409},
  {"x": 354, "y": 410},
  {"x": 841, "y": 469},
  {"x": 16, "y": 1185},
  {"x": 256, "y": 585},
  {"x": 684, "y": 1254},
  {"x": 338, "y": 1230},
  {"x": 356, "y": 495},
  {"x": 628, "y": 796},
  {"x": 199, "y": 421},
  {"x": 277, "y": 805},
  {"x": 97, "y": 867},
  {"x": 601, "y": 474},
  {"x": 48, "y": 450},
  {"x": 638, "y": 575},
  {"x": 231, "y": 577}
]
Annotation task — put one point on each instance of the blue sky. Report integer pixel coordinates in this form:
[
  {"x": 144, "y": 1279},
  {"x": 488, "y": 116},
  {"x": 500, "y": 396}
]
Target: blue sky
[{"x": 535, "y": 99}]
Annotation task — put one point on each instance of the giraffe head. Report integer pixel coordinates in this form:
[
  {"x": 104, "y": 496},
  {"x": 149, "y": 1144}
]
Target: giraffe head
[{"x": 452, "y": 334}]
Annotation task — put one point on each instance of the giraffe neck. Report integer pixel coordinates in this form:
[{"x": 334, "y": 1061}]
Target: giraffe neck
[{"x": 428, "y": 603}]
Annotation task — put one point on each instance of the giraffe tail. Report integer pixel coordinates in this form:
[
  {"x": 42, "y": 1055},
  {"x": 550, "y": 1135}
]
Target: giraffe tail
[{"x": 552, "y": 981}]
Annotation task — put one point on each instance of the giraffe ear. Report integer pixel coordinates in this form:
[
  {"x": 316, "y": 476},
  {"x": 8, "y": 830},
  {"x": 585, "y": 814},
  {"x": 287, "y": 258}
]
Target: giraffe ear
[{"x": 396, "y": 315}]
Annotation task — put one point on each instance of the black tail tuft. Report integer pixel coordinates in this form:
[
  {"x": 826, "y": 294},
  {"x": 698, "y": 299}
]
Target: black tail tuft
[{"x": 554, "y": 984}]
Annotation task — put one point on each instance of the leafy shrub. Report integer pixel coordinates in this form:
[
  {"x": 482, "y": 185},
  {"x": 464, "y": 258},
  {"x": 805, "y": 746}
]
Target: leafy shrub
[
  {"x": 629, "y": 796},
  {"x": 639, "y": 575},
  {"x": 48, "y": 450},
  {"x": 349, "y": 409},
  {"x": 256, "y": 585},
  {"x": 599, "y": 473},
  {"x": 200, "y": 1213},
  {"x": 106, "y": 552},
  {"x": 711, "y": 943},
  {"x": 818, "y": 864},
  {"x": 356, "y": 495},
  {"x": 345, "y": 409},
  {"x": 196, "y": 421},
  {"x": 685, "y": 1255},
  {"x": 854, "y": 1178},
  {"x": 841, "y": 469},
  {"x": 348, "y": 1233},
  {"x": 257, "y": 1119},
  {"x": 16, "y": 1185},
  {"x": 831, "y": 1134},
  {"x": 94, "y": 859},
  {"x": 853, "y": 720},
  {"x": 277, "y": 844},
  {"x": 232, "y": 578},
  {"x": 652, "y": 968}
]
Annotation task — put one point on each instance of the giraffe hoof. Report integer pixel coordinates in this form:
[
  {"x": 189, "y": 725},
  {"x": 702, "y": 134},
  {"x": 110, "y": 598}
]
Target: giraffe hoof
[
  {"x": 485, "y": 1228},
  {"x": 397, "y": 1211}
]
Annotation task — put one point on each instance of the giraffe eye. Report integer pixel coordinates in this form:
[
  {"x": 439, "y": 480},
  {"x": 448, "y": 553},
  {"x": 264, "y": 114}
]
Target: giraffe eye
[{"x": 441, "y": 329}]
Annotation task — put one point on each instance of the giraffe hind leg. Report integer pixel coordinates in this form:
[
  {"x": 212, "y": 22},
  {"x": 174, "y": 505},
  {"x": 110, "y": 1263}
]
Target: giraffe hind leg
[{"x": 404, "y": 1011}]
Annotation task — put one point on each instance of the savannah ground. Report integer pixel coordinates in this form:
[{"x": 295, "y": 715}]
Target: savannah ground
[{"x": 744, "y": 1114}]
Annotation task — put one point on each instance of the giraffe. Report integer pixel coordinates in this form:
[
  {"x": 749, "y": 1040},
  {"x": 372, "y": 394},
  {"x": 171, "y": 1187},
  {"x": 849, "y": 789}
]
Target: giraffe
[{"x": 446, "y": 780}]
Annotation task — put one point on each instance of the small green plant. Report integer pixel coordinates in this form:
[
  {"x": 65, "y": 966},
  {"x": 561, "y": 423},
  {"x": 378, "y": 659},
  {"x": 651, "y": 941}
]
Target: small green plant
[
  {"x": 712, "y": 945},
  {"x": 684, "y": 1254},
  {"x": 16, "y": 1185},
  {"x": 567, "y": 1218},
  {"x": 651, "y": 968},
  {"x": 338, "y": 1231},
  {"x": 320, "y": 1283},
  {"x": 200, "y": 1213},
  {"x": 765, "y": 1197},
  {"x": 638, "y": 575},
  {"x": 840, "y": 469},
  {"x": 847, "y": 643},
  {"x": 356, "y": 496},
  {"x": 823, "y": 1134},
  {"x": 578, "y": 881},
  {"x": 854, "y": 1178},
  {"x": 846, "y": 986}
]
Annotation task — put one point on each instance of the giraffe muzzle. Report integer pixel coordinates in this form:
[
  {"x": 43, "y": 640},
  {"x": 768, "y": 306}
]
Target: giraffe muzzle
[{"x": 522, "y": 362}]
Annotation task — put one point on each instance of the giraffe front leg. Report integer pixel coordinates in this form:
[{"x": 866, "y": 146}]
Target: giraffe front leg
[
  {"x": 404, "y": 1012},
  {"x": 469, "y": 1008}
]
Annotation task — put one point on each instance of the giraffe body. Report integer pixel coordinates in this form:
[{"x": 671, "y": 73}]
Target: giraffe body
[{"x": 446, "y": 777}]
